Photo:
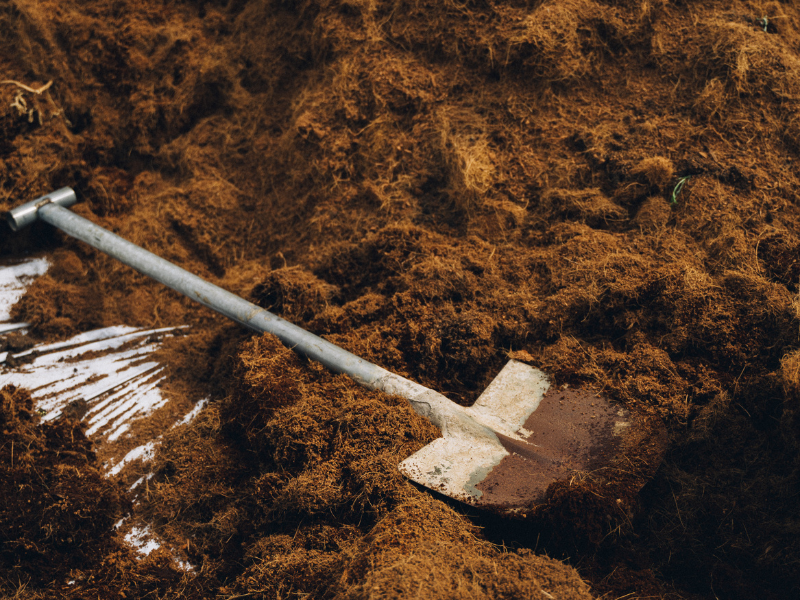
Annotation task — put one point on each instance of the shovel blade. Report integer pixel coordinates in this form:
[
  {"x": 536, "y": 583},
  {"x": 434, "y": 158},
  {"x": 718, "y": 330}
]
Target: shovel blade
[{"x": 535, "y": 435}]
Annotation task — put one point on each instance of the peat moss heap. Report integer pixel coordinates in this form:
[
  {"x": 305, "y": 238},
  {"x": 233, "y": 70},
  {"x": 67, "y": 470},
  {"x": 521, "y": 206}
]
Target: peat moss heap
[{"x": 605, "y": 189}]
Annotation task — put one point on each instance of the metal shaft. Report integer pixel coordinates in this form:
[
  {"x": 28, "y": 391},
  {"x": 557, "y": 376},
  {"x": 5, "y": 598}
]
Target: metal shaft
[
  {"x": 207, "y": 294},
  {"x": 51, "y": 208}
]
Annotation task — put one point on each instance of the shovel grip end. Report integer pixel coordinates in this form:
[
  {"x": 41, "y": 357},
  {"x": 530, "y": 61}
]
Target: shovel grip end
[{"x": 27, "y": 213}]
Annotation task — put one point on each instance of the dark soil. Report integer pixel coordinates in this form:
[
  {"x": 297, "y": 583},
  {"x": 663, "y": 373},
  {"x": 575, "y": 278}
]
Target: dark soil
[{"x": 436, "y": 186}]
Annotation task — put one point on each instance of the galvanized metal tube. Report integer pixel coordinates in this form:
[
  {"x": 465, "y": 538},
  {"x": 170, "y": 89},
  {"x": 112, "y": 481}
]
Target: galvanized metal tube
[
  {"x": 25, "y": 214},
  {"x": 215, "y": 298}
]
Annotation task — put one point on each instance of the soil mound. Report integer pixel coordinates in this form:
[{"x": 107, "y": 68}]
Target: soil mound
[{"x": 604, "y": 189}]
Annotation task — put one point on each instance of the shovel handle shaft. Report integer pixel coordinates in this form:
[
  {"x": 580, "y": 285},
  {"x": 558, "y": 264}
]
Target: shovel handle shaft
[{"x": 207, "y": 294}]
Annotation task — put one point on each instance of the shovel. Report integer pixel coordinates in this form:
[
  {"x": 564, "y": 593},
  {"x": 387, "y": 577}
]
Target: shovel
[{"x": 502, "y": 453}]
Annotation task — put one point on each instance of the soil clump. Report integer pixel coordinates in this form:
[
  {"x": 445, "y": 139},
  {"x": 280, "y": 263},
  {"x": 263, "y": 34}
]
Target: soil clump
[{"x": 606, "y": 190}]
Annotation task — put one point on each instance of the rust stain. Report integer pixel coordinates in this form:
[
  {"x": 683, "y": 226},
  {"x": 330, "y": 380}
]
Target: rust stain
[{"x": 572, "y": 432}]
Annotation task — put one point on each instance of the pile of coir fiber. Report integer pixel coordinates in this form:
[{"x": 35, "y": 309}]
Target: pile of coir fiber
[{"x": 436, "y": 186}]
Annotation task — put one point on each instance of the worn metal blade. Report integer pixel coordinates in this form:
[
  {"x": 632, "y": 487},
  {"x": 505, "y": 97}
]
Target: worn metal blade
[{"x": 533, "y": 436}]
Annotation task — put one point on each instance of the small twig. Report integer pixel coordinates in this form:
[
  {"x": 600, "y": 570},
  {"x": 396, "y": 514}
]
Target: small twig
[
  {"x": 677, "y": 509},
  {"x": 35, "y": 111},
  {"x": 27, "y": 88}
]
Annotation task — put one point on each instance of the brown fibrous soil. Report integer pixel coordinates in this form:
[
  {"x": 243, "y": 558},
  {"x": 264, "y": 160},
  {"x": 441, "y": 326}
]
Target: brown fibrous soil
[{"x": 436, "y": 186}]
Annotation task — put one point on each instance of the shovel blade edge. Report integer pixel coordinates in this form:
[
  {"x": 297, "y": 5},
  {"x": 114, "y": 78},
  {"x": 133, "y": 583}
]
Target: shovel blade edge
[
  {"x": 504, "y": 476},
  {"x": 454, "y": 466}
]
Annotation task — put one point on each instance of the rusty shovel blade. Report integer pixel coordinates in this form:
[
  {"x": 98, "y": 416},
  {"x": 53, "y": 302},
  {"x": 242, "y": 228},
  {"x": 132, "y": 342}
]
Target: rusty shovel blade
[{"x": 525, "y": 436}]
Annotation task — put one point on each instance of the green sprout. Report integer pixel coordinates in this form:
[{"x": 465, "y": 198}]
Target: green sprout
[
  {"x": 764, "y": 21},
  {"x": 677, "y": 189}
]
